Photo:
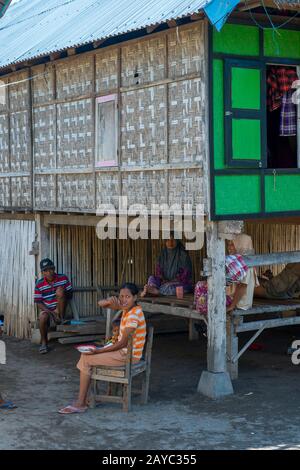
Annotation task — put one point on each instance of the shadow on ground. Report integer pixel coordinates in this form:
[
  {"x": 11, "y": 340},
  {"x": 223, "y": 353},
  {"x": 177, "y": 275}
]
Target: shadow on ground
[{"x": 262, "y": 414}]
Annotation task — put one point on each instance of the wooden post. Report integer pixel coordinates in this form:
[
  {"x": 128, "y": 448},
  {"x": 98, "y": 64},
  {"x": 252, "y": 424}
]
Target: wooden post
[
  {"x": 215, "y": 382},
  {"x": 43, "y": 238},
  {"x": 232, "y": 344},
  {"x": 193, "y": 333}
]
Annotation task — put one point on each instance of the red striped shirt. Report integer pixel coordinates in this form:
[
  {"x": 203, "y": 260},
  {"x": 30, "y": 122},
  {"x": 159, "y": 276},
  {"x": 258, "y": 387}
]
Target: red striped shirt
[{"x": 45, "y": 291}]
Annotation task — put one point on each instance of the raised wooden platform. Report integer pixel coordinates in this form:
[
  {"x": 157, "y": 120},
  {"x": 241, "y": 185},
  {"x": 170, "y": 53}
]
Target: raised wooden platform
[{"x": 265, "y": 313}]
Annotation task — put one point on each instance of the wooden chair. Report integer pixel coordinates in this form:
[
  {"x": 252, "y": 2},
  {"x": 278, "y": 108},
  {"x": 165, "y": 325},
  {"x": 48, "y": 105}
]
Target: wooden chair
[{"x": 124, "y": 376}]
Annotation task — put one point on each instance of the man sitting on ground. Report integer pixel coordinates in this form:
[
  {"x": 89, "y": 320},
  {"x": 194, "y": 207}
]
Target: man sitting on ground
[
  {"x": 51, "y": 295},
  {"x": 286, "y": 285}
]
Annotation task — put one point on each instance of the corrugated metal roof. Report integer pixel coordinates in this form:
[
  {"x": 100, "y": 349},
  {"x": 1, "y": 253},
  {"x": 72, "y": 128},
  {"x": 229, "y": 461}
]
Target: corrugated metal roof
[{"x": 33, "y": 28}]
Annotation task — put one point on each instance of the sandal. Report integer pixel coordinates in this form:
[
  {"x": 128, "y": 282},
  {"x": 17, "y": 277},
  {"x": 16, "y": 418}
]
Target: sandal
[
  {"x": 70, "y": 409},
  {"x": 44, "y": 349}
]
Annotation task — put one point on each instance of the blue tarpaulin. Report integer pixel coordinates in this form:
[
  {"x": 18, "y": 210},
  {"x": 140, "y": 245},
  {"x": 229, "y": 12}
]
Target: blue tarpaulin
[{"x": 219, "y": 10}]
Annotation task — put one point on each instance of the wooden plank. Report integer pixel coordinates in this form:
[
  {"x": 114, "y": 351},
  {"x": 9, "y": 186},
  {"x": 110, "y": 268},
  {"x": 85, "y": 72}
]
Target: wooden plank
[
  {"x": 273, "y": 258},
  {"x": 169, "y": 310},
  {"x": 108, "y": 399},
  {"x": 89, "y": 328},
  {"x": 265, "y": 309},
  {"x": 80, "y": 339},
  {"x": 216, "y": 337},
  {"x": 274, "y": 323}
]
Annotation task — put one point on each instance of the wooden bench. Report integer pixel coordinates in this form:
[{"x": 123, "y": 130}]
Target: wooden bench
[
  {"x": 170, "y": 305},
  {"x": 240, "y": 321},
  {"x": 167, "y": 305}
]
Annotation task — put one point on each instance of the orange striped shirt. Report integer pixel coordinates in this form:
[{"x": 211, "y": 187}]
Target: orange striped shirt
[{"x": 134, "y": 318}]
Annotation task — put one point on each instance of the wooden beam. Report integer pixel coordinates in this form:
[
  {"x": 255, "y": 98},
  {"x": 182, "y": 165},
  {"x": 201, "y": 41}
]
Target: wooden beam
[
  {"x": 274, "y": 323},
  {"x": 59, "y": 219},
  {"x": 43, "y": 239},
  {"x": 228, "y": 229},
  {"x": 152, "y": 28},
  {"x": 215, "y": 382},
  {"x": 216, "y": 347},
  {"x": 98, "y": 43},
  {"x": 249, "y": 5},
  {"x": 266, "y": 308},
  {"x": 197, "y": 16},
  {"x": 55, "y": 56},
  {"x": 268, "y": 3},
  {"x": 262, "y": 19},
  {"x": 71, "y": 51},
  {"x": 14, "y": 216},
  {"x": 80, "y": 339},
  {"x": 273, "y": 258},
  {"x": 172, "y": 23}
]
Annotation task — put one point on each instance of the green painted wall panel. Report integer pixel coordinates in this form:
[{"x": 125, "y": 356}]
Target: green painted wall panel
[
  {"x": 237, "y": 39},
  {"x": 246, "y": 139},
  {"x": 245, "y": 88},
  {"x": 282, "y": 193},
  {"x": 237, "y": 194},
  {"x": 218, "y": 115},
  {"x": 285, "y": 43}
]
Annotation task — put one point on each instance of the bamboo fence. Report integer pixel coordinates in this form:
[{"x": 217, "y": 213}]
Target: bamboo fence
[
  {"x": 17, "y": 271},
  {"x": 273, "y": 238}
]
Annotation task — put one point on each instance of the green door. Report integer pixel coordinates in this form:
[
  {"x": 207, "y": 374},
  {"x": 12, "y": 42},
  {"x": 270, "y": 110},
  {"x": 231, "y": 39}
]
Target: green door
[{"x": 245, "y": 114}]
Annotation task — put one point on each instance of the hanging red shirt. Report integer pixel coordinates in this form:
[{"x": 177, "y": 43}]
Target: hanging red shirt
[{"x": 279, "y": 80}]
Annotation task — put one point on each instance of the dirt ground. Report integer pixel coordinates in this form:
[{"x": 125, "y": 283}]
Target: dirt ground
[{"x": 264, "y": 412}]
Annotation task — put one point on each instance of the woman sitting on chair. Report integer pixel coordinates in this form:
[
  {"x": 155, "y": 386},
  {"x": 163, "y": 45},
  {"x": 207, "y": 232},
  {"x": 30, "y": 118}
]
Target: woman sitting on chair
[
  {"x": 173, "y": 269},
  {"x": 132, "y": 321}
]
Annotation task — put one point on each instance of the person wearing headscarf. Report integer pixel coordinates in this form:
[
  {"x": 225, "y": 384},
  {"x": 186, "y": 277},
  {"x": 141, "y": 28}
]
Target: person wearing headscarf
[
  {"x": 242, "y": 294},
  {"x": 173, "y": 269}
]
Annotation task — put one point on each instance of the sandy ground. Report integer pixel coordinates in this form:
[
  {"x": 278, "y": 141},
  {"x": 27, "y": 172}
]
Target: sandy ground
[{"x": 264, "y": 412}]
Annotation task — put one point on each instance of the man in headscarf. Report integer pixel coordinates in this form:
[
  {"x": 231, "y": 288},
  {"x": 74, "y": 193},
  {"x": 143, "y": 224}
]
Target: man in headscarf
[
  {"x": 173, "y": 269},
  {"x": 242, "y": 295}
]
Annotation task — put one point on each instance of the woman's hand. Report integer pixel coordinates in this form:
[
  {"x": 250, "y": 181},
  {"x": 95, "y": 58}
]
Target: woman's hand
[
  {"x": 144, "y": 291},
  {"x": 230, "y": 308},
  {"x": 111, "y": 302}
]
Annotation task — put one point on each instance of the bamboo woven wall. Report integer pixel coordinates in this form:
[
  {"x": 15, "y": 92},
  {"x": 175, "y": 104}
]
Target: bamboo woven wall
[
  {"x": 17, "y": 271},
  {"x": 15, "y": 142},
  {"x": 47, "y": 126},
  {"x": 90, "y": 262}
]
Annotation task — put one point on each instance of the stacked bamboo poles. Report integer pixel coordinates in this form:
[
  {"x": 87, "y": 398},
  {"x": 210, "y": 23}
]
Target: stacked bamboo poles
[{"x": 17, "y": 271}]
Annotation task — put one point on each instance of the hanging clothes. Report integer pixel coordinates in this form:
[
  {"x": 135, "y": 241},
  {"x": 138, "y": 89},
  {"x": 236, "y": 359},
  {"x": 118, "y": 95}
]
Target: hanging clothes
[
  {"x": 288, "y": 115},
  {"x": 279, "y": 80}
]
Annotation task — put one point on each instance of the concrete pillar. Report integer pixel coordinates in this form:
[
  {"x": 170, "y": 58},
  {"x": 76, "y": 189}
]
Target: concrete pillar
[{"x": 215, "y": 382}]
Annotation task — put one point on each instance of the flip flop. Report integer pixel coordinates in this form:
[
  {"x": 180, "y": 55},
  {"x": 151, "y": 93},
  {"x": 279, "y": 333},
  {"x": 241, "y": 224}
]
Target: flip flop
[
  {"x": 8, "y": 405},
  {"x": 44, "y": 349},
  {"x": 70, "y": 409}
]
